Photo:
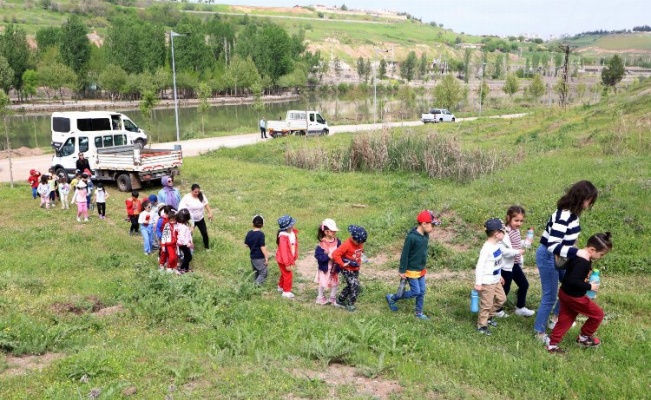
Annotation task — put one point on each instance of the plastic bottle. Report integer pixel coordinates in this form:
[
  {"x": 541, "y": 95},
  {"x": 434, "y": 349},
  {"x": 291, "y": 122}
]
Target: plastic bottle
[
  {"x": 594, "y": 278},
  {"x": 528, "y": 241},
  {"x": 474, "y": 301},
  {"x": 401, "y": 287}
]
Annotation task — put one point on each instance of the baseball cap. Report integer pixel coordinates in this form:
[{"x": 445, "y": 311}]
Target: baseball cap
[
  {"x": 424, "y": 216},
  {"x": 330, "y": 224},
  {"x": 494, "y": 224}
]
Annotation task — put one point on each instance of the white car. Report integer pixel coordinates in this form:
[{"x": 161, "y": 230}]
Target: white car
[{"x": 438, "y": 115}]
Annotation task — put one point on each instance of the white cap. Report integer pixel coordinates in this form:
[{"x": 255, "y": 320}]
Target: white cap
[{"x": 331, "y": 224}]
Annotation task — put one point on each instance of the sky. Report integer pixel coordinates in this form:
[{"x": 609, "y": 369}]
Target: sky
[{"x": 503, "y": 17}]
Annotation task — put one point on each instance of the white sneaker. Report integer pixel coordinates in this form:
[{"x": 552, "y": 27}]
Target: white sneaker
[
  {"x": 85, "y": 219},
  {"x": 524, "y": 312},
  {"x": 280, "y": 290},
  {"x": 552, "y": 324},
  {"x": 78, "y": 219},
  {"x": 543, "y": 338},
  {"x": 501, "y": 314},
  {"x": 288, "y": 295},
  {"x": 170, "y": 270}
]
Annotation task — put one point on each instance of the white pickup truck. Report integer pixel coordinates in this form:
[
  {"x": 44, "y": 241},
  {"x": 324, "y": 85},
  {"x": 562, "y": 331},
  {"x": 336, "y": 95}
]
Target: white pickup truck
[
  {"x": 299, "y": 122},
  {"x": 438, "y": 115}
]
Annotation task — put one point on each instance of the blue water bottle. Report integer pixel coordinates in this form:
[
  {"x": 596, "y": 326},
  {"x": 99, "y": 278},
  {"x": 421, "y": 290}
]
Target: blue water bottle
[
  {"x": 474, "y": 301},
  {"x": 594, "y": 278}
]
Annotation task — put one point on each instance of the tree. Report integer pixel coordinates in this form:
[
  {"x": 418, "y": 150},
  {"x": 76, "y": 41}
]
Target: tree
[
  {"x": 408, "y": 67},
  {"x": 537, "y": 87},
  {"x": 30, "y": 82},
  {"x": 56, "y": 76},
  {"x": 499, "y": 62},
  {"x": 337, "y": 66},
  {"x": 535, "y": 61},
  {"x": 382, "y": 71},
  {"x": 4, "y": 113},
  {"x": 448, "y": 92},
  {"x": 527, "y": 67},
  {"x": 361, "y": 67},
  {"x": 613, "y": 73},
  {"x": 136, "y": 45},
  {"x": 241, "y": 74},
  {"x": 6, "y": 75},
  {"x": 466, "y": 64},
  {"x": 204, "y": 91},
  {"x": 367, "y": 70},
  {"x": 14, "y": 48},
  {"x": 423, "y": 66},
  {"x": 563, "y": 90},
  {"x": 112, "y": 79},
  {"x": 48, "y": 37},
  {"x": 512, "y": 85},
  {"x": 147, "y": 104},
  {"x": 343, "y": 7},
  {"x": 75, "y": 47}
]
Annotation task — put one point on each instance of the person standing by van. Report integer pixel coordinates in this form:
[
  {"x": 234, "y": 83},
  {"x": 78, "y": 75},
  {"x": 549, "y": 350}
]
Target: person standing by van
[
  {"x": 82, "y": 164},
  {"x": 263, "y": 128}
]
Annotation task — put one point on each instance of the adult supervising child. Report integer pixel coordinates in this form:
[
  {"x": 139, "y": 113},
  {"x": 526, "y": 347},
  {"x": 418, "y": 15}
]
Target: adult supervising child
[
  {"x": 573, "y": 299},
  {"x": 413, "y": 262},
  {"x": 488, "y": 281}
]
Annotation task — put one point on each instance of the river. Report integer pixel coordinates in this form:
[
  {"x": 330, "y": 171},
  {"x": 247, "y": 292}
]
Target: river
[{"x": 33, "y": 130}]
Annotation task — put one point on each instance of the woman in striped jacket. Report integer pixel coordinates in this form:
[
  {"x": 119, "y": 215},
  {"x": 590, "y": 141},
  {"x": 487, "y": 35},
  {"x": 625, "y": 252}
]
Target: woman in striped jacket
[{"x": 559, "y": 239}]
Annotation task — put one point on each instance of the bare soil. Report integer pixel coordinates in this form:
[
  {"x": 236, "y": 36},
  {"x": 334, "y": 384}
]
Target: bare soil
[
  {"x": 21, "y": 152},
  {"x": 25, "y": 364},
  {"x": 79, "y": 307}
]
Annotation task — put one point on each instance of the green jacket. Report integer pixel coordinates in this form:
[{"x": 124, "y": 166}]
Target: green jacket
[{"x": 414, "y": 252}]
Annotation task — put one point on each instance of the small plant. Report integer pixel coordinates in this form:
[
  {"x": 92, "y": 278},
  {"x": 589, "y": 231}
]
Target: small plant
[{"x": 329, "y": 349}]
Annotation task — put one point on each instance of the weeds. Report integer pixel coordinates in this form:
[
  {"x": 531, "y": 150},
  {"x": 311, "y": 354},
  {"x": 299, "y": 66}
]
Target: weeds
[
  {"x": 329, "y": 349},
  {"x": 21, "y": 335}
]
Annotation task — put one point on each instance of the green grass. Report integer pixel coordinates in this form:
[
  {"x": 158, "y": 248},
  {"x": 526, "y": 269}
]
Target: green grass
[
  {"x": 639, "y": 41},
  {"x": 213, "y": 335}
]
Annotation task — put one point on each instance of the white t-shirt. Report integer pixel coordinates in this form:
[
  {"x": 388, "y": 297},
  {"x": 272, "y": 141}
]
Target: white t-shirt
[
  {"x": 100, "y": 196},
  {"x": 489, "y": 264},
  {"x": 194, "y": 205}
]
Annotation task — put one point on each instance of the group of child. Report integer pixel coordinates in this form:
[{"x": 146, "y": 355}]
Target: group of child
[
  {"x": 51, "y": 187},
  {"x": 499, "y": 264}
]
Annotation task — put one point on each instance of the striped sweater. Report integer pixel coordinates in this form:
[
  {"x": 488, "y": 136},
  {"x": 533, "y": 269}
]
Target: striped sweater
[{"x": 561, "y": 233}]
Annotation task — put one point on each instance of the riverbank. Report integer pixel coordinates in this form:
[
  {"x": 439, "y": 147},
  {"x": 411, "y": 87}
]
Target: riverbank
[{"x": 95, "y": 105}]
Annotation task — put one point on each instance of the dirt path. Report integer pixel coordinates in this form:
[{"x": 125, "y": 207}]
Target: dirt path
[{"x": 195, "y": 147}]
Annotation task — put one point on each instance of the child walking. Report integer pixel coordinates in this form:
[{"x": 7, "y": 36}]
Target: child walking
[
  {"x": 349, "y": 257},
  {"x": 488, "y": 281},
  {"x": 167, "y": 258},
  {"x": 43, "y": 190},
  {"x": 34, "y": 177},
  {"x": 254, "y": 240},
  {"x": 146, "y": 221},
  {"x": 574, "y": 301},
  {"x": 54, "y": 187},
  {"x": 326, "y": 275},
  {"x": 184, "y": 240},
  {"x": 100, "y": 200},
  {"x": 134, "y": 205},
  {"x": 512, "y": 263},
  {"x": 64, "y": 190},
  {"x": 413, "y": 261},
  {"x": 79, "y": 197},
  {"x": 287, "y": 254}
]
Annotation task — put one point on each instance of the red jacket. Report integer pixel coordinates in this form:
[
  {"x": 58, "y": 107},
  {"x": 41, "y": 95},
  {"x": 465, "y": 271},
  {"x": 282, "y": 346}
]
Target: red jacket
[
  {"x": 134, "y": 206},
  {"x": 284, "y": 253},
  {"x": 33, "y": 180},
  {"x": 349, "y": 251}
]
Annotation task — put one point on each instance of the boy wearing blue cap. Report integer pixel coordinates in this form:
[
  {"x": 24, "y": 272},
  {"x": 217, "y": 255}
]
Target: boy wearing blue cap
[
  {"x": 348, "y": 257},
  {"x": 488, "y": 279}
]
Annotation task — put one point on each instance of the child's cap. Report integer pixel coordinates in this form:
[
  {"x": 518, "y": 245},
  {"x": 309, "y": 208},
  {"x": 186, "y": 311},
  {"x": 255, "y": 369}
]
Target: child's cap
[
  {"x": 494, "y": 224},
  {"x": 424, "y": 216},
  {"x": 258, "y": 220},
  {"x": 81, "y": 185},
  {"x": 32, "y": 172},
  {"x": 153, "y": 198},
  {"x": 358, "y": 233},
  {"x": 330, "y": 224},
  {"x": 285, "y": 222}
]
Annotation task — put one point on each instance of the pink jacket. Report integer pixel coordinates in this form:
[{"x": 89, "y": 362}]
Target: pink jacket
[{"x": 184, "y": 235}]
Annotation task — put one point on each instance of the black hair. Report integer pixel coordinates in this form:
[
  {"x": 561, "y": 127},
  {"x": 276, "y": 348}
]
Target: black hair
[
  {"x": 492, "y": 232},
  {"x": 196, "y": 186},
  {"x": 63, "y": 179},
  {"x": 100, "y": 185},
  {"x": 278, "y": 236},
  {"x": 512, "y": 212},
  {"x": 145, "y": 203},
  {"x": 183, "y": 216},
  {"x": 576, "y": 195},
  {"x": 44, "y": 178},
  {"x": 135, "y": 194},
  {"x": 166, "y": 209},
  {"x": 171, "y": 214},
  {"x": 84, "y": 176},
  {"x": 320, "y": 233},
  {"x": 258, "y": 221},
  {"x": 601, "y": 241}
]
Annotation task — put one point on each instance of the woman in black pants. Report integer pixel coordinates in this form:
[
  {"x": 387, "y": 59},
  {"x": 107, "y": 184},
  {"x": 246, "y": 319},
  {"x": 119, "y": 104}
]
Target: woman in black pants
[{"x": 196, "y": 202}]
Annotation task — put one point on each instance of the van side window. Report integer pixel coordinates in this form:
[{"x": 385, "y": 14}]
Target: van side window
[
  {"x": 83, "y": 144},
  {"x": 130, "y": 126},
  {"x": 68, "y": 147},
  {"x": 93, "y": 124},
  {"x": 98, "y": 142},
  {"x": 119, "y": 140},
  {"x": 108, "y": 141},
  {"x": 311, "y": 117},
  {"x": 60, "y": 124},
  {"x": 115, "y": 121}
]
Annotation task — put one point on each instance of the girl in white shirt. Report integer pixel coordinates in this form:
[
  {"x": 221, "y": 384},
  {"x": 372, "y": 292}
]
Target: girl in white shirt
[{"x": 100, "y": 200}]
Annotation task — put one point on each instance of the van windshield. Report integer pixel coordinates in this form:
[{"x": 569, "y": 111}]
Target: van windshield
[{"x": 320, "y": 119}]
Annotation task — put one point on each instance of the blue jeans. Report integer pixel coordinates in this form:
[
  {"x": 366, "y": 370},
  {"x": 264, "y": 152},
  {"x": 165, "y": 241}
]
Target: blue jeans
[
  {"x": 35, "y": 193},
  {"x": 416, "y": 289},
  {"x": 147, "y": 232},
  {"x": 549, "y": 279}
]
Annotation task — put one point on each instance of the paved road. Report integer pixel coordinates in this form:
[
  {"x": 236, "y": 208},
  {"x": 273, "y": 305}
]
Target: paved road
[{"x": 194, "y": 147}]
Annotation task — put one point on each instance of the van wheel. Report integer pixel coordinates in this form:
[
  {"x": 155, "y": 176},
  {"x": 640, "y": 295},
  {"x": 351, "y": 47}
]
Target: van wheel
[
  {"x": 324, "y": 132},
  {"x": 124, "y": 182},
  {"x": 61, "y": 172},
  {"x": 139, "y": 144},
  {"x": 453, "y": 119}
]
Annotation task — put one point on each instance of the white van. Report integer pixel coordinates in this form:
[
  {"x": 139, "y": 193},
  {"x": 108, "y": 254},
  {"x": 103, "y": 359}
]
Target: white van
[
  {"x": 93, "y": 124},
  {"x": 299, "y": 122}
]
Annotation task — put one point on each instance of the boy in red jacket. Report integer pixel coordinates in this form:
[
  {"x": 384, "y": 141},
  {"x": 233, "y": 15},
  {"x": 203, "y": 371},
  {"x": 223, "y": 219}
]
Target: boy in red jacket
[
  {"x": 134, "y": 206},
  {"x": 168, "y": 245},
  {"x": 33, "y": 179},
  {"x": 348, "y": 257},
  {"x": 287, "y": 253}
]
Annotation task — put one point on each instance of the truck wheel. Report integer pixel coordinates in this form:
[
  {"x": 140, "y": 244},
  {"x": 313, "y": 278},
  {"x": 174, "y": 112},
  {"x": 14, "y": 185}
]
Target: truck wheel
[
  {"x": 453, "y": 119},
  {"x": 325, "y": 132},
  {"x": 441, "y": 120},
  {"x": 139, "y": 144},
  {"x": 124, "y": 182},
  {"x": 61, "y": 172}
]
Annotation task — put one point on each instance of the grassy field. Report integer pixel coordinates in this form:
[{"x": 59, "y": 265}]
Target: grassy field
[
  {"x": 102, "y": 323},
  {"x": 638, "y": 41}
]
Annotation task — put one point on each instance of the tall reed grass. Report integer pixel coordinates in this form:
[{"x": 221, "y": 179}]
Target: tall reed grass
[{"x": 436, "y": 155}]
